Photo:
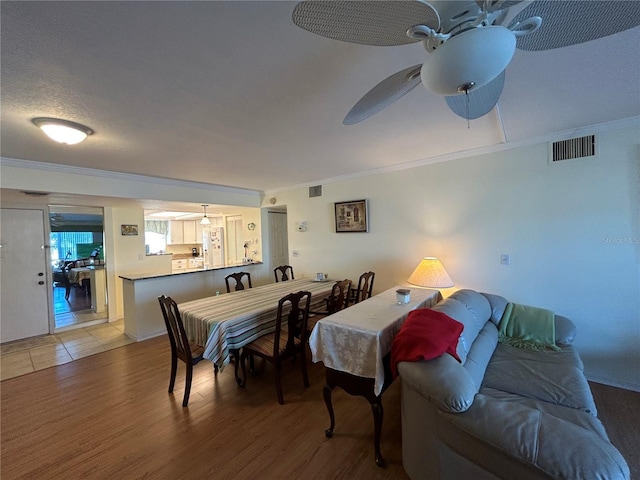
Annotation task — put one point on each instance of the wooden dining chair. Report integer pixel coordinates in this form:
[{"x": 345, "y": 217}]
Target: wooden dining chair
[
  {"x": 238, "y": 277},
  {"x": 288, "y": 340},
  {"x": 181, "y": 348},
  {"x": 283, "y": 273},
  {"x": 364, "y": 289},
  {"x": 335, "y": 302}
]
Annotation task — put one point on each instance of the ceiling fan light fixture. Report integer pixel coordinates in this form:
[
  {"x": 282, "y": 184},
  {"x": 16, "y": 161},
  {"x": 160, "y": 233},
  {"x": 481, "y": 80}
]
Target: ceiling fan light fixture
[
  {"x": 472, "y": 58},
  {"x": 62, "y": 131}
]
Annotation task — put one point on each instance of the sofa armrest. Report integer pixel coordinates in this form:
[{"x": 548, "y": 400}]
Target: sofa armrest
[
  {"x": 526, "y": 438},
  {"x": 443, "y": 381},
  {"x": 565, "y": 330}
]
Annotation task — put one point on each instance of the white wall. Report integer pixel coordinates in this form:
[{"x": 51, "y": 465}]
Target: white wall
[{"x": 572, "y": 230}]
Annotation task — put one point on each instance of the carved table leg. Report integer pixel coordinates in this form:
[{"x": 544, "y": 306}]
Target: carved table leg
[
  {"x": 378, "y": 413},
  {"x": 360, "y": 386},
  {"x": 326, "y": 391}
]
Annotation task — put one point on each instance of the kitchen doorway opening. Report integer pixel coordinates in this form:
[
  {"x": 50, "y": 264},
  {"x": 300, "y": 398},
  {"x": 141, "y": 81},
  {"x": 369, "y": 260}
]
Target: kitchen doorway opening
[{"x": 78, "y": 266}]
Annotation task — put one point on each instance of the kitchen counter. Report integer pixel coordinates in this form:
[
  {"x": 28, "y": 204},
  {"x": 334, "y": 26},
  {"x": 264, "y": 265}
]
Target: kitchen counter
[
  {"x": 142, "y": 317},
  {"x": 145, "y": 276}
]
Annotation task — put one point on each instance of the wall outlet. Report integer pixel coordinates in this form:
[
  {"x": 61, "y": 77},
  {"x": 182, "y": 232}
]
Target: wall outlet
[
  {"x": 505, "y": 259},
  {"x": 296, "y": 253}
]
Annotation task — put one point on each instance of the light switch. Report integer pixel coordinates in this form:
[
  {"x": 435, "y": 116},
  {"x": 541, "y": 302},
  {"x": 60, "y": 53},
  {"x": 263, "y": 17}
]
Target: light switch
[
  {"x": 505, "y": 259},
  {"x": 295, "y": 253}
]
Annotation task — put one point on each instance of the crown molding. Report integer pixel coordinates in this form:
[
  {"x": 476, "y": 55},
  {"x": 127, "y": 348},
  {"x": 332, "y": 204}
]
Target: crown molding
[
  {"x": 92, "y": 172},
  {"x": 553, "y": 137}
]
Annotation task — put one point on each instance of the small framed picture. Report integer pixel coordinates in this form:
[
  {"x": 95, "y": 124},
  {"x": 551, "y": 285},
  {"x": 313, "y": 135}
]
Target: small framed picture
[
  {"x": 129, "y": 229},
  {"x": 352, "y": 216}
]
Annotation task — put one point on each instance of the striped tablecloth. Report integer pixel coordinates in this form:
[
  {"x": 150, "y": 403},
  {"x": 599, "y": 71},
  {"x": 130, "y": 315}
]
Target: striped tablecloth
[{"x": 231, "y": 320}]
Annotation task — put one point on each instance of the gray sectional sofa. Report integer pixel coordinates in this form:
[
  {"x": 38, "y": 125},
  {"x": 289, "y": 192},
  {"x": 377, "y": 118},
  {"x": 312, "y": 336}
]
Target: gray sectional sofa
[{"x": 502, "y": 412}]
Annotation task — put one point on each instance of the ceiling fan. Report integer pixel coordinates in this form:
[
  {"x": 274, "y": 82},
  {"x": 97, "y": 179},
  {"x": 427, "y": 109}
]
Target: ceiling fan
[{"x": 468, "y": 45}]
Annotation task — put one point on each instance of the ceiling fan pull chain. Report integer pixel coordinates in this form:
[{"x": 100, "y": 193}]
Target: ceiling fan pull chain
[{"x": 467, "y": 111}]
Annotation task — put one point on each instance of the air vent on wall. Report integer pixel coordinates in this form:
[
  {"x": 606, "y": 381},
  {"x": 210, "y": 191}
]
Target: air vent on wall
[
  {"x": 315, "y": 191},
  {"x": 573, "y": 148}
]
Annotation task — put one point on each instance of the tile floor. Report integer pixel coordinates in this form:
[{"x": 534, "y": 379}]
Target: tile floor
[{"x": 26, "y": 356}]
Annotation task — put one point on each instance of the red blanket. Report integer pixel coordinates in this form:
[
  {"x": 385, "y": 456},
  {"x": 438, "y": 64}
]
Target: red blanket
[{"x": 424, "y": 335}]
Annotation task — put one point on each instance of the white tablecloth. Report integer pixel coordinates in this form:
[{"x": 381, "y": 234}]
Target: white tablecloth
[
  {"x": 231, "y": 320},
  {"x": 356, "y": 339}
]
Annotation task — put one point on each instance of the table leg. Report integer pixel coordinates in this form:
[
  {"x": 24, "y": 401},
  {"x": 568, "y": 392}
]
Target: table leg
[
  {"x": 326, "y": 392},
  {"x": 360, "y": 386},
  {"x": 235, "y": 353}
]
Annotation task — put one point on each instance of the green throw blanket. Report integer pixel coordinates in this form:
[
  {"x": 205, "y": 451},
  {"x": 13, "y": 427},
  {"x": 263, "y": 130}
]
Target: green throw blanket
[{"x": 528, "y": 327}]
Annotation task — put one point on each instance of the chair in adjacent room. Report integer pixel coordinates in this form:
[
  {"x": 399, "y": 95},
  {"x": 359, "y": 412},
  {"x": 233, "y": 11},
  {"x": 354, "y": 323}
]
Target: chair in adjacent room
[
  {"x": 283, "y": 273},
  {"x": 288, "y": 340},
  {"x": 364, "y": 290},
  {"x": 238, "y": 277},
  {"x": 335, "y": 302},
  {"x": 181, "y": 348}
]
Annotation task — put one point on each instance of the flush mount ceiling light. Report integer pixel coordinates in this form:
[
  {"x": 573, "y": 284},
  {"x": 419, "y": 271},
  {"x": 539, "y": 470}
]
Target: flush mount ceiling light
[
  {"x": 62, "y": 131},
  {"x": 205, "y": 220}
]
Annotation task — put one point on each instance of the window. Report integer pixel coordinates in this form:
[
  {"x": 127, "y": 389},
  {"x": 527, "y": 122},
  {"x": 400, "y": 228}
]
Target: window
[{"x": 64, "y": 245}]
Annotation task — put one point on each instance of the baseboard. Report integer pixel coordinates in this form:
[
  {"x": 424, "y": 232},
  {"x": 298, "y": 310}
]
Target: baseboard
[{"x": 607, "y": 381}]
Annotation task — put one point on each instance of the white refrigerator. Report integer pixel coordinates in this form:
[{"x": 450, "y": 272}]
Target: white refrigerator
[{"x": 213, "y": 245}]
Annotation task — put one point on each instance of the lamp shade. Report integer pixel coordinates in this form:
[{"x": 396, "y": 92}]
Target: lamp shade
[
  {"x": 472, "y": 58},
  {"x": 430, "y": 273}
]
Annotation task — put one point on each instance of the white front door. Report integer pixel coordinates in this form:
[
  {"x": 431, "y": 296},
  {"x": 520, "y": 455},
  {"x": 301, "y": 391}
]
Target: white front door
[{"x": 24, "y": 306}]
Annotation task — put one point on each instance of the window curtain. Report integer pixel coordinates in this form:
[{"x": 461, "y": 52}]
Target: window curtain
[{"x": 156, "y": 226}]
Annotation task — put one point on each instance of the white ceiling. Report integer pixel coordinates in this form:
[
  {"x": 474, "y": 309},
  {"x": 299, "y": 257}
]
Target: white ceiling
[{"x": 233, "y": 93}]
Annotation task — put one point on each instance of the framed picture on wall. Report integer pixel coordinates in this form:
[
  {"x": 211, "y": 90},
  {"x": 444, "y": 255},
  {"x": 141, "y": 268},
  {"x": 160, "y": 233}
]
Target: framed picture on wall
[
  {"x": 129, "y": 229},
  {"x": 352, "y": 216}
]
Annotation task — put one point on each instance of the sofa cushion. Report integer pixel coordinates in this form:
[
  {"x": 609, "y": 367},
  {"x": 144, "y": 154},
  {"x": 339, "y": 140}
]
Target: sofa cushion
[
  {"x": 481, "y": 352},
  {"x": 498, "y": 305},
  {"x": 554, "y": 377},
  {"x": 572, "y": 415},
  {"x": 508, "y": 439},
  {"x": 471, "y": 309}
]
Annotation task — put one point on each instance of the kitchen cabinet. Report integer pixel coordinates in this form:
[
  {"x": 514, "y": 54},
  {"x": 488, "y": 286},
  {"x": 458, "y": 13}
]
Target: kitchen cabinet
[
  {"x": 176, "y": 233},
  {"x": 191, "y": 232},
  {"x": 184, "y": 232},
  {"x": 180, "y": 264}
]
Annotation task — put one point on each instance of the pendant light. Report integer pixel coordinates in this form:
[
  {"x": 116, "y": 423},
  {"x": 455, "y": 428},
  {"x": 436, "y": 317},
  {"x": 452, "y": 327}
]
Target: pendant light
[
  {"x": 205, "y": 220},
  {"x": 62, "y": 131}
]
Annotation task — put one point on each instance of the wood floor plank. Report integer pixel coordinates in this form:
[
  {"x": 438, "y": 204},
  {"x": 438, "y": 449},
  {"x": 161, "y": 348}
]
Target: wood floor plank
[{"x": 110, "y": 416}]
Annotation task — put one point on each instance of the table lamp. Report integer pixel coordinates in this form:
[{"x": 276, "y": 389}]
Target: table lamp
[{"x": 430, "y": 273}]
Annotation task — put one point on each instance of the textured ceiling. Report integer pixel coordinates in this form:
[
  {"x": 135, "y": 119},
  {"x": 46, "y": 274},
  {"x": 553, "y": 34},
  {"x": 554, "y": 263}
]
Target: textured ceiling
[{"x": 233, "y": 93}]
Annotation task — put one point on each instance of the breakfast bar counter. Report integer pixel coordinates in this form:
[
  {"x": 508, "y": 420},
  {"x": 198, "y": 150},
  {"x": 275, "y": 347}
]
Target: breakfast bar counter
[{"x": 142, "y": 315}]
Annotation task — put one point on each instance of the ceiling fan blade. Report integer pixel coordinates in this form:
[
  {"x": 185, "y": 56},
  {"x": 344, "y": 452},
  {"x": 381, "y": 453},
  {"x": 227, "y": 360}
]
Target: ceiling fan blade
[
  {"x": 365, "y": 22},
  {"x": 478, "y": 102},
  {"x": 384, "y": 94},
  {"x": 571, "y": 22}
]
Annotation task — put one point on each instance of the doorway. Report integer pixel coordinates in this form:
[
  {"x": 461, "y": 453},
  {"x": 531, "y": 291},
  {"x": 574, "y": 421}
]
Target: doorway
[
  {"x": 78, "y": 266},
  {"x": 278, "y": 238}
]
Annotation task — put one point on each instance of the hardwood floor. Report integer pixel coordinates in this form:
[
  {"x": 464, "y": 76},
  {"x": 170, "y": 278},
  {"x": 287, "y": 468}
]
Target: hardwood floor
[{"x": 110, "y": 416}]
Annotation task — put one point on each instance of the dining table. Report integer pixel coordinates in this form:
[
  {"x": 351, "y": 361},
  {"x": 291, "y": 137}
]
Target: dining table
[
  {"x": 224, "y": 323},
  {"x": 354, "y": 345}
]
